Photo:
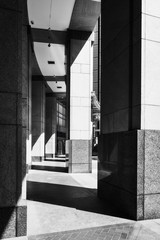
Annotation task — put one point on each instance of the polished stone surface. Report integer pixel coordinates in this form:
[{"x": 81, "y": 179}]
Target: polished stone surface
[
  {"x": 129, "y": 171},
  {"x": 123, "y": 200},
  {"x": 121, "y": 65},
  {"x": 118, "y": 164}
]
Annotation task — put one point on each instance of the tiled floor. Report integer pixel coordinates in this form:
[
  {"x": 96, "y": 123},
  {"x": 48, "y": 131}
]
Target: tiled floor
[{"x": 115, "y": 232}]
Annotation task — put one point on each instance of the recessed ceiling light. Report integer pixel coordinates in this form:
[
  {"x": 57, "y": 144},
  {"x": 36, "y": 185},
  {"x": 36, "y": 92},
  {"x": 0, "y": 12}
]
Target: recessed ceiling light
[{"x": 51, "y": 62}]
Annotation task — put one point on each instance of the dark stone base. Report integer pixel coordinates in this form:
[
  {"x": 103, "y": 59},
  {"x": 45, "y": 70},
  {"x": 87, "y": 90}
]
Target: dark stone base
[
  {"x": 13, "y": 222},
  {"x": 37, "y": 159},
  {"x": 128, "y": 172},
  {"x": 80, "y": 168},
  {"x": 123, "y": 201}
]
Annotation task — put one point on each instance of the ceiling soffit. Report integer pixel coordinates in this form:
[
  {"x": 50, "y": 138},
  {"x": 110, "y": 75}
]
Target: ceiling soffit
[
  {"x": 53, "y": 14},
  {"x": 51, "y": 22}
]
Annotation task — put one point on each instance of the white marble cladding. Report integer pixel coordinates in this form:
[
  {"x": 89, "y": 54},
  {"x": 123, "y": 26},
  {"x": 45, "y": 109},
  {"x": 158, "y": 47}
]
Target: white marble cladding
[
  {"x": 150, "y": 86},
  {"x": 80, "y": 95}
]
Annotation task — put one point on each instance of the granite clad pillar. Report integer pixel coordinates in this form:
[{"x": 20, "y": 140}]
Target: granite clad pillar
[
  {"x": 129, "y": 143},
  {"x": 12, "y": 160},
  {"x": 79, "y": 145},
  {"x": 26, "y": 88},
  {"x": 51, "y": 126},
  {"x": 38, "y": 119},
  {"x": 150, "y": 106}
]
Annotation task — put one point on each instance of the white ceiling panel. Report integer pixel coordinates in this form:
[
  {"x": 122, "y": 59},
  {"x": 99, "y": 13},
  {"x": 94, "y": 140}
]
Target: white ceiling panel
[
  {"x": 57, "y": 86},
  {"x": 62, "y": 12},
  {"x": 55, "y": 14},
  {"x": 38, "y": 11},
  {"x": 56, "y": 53}
]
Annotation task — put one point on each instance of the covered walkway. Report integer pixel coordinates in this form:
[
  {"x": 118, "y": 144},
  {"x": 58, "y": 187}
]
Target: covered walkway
[
  {"x": 58, "y": 201},
  {"x": 65, "y": 206}
]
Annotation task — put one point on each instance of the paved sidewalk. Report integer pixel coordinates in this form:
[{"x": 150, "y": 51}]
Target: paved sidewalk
[
  {"x": 134, "y": 231},
  {"x": 59, "y": 201},
  {"x": 64, "y": 206}
]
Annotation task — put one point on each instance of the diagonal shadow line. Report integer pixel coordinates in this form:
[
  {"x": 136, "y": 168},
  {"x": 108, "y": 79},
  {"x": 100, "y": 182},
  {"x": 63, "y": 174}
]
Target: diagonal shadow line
[{"x": 84, "y": 199}]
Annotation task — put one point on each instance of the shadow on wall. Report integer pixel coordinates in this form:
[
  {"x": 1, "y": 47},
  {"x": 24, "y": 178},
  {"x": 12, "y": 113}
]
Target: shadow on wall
[
  {"x": 84, "y": 199},
  {"x": 38, "y": 119},
  {"x": 50, "y": 125}
]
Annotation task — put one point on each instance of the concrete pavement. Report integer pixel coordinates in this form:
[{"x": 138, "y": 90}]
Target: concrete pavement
[{"x": 65, "y": 206}]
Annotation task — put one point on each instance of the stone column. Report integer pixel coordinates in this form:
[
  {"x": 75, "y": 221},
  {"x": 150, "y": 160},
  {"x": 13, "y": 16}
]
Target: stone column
[
  {"x": 38, "y": 119},
  {"x": 80, "y": 108},
  {"x": 150, "y": 107},
  {"x": 129, "y": 144},
  {"x": 12, "y": 160},
  {"x": 26, "y": 88},
  {"x": 51, "y": 126},
  {"x": 97, "y": 60}
]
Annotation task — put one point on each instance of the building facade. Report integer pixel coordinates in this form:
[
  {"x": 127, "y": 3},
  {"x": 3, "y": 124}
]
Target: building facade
[{"x": 45, "y": 79}]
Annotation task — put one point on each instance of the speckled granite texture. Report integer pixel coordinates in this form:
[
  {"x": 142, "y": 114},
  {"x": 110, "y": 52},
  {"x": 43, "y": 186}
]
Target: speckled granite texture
[
  {"x": 79, "y": 156},
  {"x": 12, "y": 151}
]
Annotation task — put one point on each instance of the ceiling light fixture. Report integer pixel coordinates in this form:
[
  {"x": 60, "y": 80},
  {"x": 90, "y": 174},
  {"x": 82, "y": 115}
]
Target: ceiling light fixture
[
  {"x": 49, "y": 38},
  {"x": 51, "y": 62},
  {"x": 49, "y": 29}
]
